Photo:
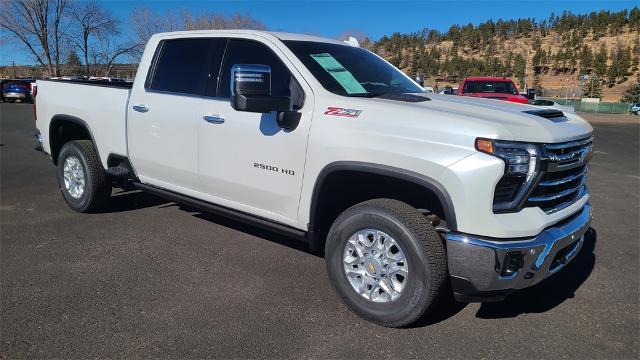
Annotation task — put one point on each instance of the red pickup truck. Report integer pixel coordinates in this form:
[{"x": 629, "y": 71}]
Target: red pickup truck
[{"x": 491, "y": 88}]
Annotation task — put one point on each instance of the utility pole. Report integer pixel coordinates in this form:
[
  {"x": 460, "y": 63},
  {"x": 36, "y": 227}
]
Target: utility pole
[{"x": 14, "y": 69}]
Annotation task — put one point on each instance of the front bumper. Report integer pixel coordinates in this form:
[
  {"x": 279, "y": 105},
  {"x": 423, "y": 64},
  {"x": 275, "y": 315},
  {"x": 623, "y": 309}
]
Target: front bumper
[{"x": 479, "y": 268}]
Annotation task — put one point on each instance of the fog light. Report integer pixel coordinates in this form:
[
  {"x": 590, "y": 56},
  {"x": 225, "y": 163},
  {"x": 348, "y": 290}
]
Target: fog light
[{"x": 513, "y": 261}]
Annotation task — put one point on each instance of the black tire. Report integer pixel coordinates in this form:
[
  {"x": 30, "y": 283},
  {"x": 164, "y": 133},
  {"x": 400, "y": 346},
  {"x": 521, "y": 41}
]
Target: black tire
[
  {"x": 97, "y": 189},
  {"x": 423, "y": 248}
]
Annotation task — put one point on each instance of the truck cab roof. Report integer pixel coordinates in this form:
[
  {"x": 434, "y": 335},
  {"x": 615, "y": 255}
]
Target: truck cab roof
[{"x": 275, "y": 34}]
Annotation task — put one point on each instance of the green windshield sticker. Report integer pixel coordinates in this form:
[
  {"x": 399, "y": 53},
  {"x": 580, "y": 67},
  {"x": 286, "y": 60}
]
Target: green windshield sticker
[{"x": 338, "y": 72}]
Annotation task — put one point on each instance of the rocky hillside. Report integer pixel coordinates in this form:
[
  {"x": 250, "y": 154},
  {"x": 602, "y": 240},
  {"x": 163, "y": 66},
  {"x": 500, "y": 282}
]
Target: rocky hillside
[{"x": 567, "y": 56}]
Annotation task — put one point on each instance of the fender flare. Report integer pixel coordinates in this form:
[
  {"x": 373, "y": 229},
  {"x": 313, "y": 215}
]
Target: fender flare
[
  {"x": 72, "y": 119},
  {"x": 386, "y": 170}
]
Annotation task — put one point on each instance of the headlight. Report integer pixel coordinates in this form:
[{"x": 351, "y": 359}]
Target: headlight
[{"x": 520, "y": 170}]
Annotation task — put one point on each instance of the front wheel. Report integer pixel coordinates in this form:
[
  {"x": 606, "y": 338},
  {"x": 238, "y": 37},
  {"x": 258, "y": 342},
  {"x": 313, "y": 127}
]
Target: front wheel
[
  {"x": 82, "y": 180},
  {"x": 386, "y": 261}
]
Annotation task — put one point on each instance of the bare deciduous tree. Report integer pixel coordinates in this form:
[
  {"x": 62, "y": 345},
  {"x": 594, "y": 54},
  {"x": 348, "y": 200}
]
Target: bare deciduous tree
[
  {"x": 109, "y": 51},
  {"x": 91, "y": 20},
  {"x": 145, "y": 22},
  {"x": 39, "y": 25}
]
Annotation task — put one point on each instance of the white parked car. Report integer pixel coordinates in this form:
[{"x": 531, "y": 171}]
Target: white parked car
[
  {"x": 544, "y": 103},
  {"x": 635, "y": 109},
  {"x": 448, "y": 91},
  {"x": 404, "y": 192},
  {"x": 106, "y": 79}
]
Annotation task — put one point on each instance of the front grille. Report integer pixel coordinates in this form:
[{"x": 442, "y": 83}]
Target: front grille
[{"x": 564, "y": 175}]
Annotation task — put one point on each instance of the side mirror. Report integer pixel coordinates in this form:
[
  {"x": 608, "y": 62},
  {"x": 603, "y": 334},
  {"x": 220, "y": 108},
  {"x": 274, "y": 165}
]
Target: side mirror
[{"x": 251, "y": 90}]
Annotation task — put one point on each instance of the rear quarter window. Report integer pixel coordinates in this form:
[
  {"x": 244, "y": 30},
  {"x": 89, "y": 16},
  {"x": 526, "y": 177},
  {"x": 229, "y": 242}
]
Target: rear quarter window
[{"x": 186, "y": 66}]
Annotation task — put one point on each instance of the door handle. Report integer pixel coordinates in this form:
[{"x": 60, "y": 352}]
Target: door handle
[
  {"x": 140, "y": 108},
  {"x": 214, "y": 119}
]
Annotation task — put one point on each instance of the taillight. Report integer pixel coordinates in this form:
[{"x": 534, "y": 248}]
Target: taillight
[{"x": 34, "y": 92}]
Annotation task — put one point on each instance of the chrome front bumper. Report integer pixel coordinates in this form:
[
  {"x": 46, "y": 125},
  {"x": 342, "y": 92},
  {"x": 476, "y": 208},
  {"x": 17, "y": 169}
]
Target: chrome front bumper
[{"x": 478, "y": 266}]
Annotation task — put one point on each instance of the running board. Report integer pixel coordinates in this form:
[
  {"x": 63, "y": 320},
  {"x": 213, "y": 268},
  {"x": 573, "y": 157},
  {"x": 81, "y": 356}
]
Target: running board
[
  {"x": 118, "y": 171},
  {"x": 224, "y": 211}
]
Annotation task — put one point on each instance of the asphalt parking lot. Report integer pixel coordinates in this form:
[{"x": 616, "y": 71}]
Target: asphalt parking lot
[{"x": 149, "y": 278}]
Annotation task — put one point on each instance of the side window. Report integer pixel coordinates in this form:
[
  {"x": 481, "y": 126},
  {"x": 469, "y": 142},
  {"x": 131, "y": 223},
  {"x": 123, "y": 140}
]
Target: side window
[
  {"x": 187, "y": 66},
  {"x": 253, "y": 52},
  {"x": 467, "y": 87}
]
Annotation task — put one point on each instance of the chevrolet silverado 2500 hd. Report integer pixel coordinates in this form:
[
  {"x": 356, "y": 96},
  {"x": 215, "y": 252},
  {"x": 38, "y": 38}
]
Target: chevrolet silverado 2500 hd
[{"x": 407, "y": 194}]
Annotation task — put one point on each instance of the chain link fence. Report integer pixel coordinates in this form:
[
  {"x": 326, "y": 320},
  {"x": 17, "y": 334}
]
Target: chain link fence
[{"x": 594, "y": 107}]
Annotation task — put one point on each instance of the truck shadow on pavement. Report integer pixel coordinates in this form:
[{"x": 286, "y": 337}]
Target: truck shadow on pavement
[
  {"x": 549, "y": 293},
  {"x": 540, "y": 298},
  {"x": 251, "y": 230},
  {"x": 128, "y": 199}
]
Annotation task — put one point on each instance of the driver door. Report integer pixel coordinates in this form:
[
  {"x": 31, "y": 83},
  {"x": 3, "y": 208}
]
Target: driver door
[{"x": 246, "y": 161}]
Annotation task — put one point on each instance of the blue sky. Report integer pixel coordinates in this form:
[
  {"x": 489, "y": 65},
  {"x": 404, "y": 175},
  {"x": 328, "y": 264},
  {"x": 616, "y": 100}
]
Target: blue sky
[{"x": 374, "y": 18}]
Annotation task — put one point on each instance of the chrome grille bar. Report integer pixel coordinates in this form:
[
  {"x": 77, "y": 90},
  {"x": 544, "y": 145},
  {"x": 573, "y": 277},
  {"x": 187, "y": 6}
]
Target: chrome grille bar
[
  {"x": 555, "y": 196},
  {"x": 563, "y": 180},
  {"x": 569, "y": 144}
]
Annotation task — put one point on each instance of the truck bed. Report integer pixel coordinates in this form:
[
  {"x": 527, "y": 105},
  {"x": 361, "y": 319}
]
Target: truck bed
[
  {"x": 123, "y": 85},
  {"x": 99, "y": 104}
]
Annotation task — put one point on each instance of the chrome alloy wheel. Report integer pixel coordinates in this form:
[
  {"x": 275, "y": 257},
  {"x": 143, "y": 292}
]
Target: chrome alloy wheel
[
  {"x": 375, "y": 265},
  {"x": 74, "y": 180}
]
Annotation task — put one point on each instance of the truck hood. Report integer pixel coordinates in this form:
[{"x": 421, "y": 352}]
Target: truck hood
[{"x": 478, "y": 117}]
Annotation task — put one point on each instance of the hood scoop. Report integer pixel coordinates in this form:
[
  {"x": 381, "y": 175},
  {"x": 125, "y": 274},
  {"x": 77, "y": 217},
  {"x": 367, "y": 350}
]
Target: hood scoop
[{"x": 550, "y": 114}]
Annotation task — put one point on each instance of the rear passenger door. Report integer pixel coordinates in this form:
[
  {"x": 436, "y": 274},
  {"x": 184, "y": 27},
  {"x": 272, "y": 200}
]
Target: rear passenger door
[
  {"x": 164, "y": 117},
  {"x": 246, "y": 161}
]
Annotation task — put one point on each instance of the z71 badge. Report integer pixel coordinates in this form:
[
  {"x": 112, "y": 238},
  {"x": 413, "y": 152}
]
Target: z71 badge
[{"x": 338, "y": 111}]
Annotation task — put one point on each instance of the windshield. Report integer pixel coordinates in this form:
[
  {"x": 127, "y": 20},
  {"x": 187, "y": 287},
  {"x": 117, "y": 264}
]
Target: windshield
[
  {"x": 350, "y": 71},
  {"x": 490, "y": 87}
]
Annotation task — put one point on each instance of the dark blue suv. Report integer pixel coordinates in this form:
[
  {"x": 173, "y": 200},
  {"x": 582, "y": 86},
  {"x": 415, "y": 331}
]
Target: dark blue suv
[{"x": 16, "y": 90}]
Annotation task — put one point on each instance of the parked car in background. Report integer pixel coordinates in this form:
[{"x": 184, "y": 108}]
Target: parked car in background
[
  {"x": 106, "y": 79},
  {"x": 635, "y": 109},
  {"x": 429, "y": 89},
  {"x": 552, "y": 105},
  {"x": 448, "y": 91},
  {"x": 498, "y": 88},
  {"x": 17, "y": 90}
]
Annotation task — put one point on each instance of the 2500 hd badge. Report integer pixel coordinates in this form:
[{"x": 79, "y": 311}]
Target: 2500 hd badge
[{"x": 273, "y": 168}]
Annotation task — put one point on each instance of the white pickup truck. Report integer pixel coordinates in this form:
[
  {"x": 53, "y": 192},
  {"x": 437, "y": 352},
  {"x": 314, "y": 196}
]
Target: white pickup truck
[{"x": 408, "y": 195}]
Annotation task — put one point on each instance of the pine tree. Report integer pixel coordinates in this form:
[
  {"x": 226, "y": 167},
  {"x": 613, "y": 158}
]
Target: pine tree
[
  {"x": 586, "y": 59},
  {"x": 593, "y": 88},
  {"x": 600, "y": 61},
  {"x": 519, "y": 68},
  {"x": 632, "y": 95},
  {"x": 625, "y": 64},
  {"x": 612, "y": 72},
  {"x": 73, "y": 63}
]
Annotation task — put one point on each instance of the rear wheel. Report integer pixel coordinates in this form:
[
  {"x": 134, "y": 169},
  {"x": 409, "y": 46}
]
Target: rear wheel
[
  {"x": 386, "y": 261},
  {"x": 82, "y": 180}
]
